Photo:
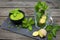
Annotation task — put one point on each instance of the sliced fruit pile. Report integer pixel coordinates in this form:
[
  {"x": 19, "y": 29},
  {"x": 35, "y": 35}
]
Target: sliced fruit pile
[{"x": 42, "y": 33}]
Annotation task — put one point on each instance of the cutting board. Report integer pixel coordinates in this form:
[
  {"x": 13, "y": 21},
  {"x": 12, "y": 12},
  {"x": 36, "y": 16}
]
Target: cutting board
[{"x": 22, "y": 31}]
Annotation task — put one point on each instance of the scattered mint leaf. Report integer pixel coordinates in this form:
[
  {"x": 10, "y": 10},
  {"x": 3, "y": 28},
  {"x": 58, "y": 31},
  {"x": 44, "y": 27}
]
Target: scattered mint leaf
[
  {"x": 50, "y": 36},
  {"x": 25, "y": 20},
  {"x": 55, "y": 29},
  {"x": 30, "y": 28},
  {"x": 31, "y": 21},
  {"x": 54, "y": 32},
  {"x": 27, "y": 23},
  {"x": 49, "y": 28}
]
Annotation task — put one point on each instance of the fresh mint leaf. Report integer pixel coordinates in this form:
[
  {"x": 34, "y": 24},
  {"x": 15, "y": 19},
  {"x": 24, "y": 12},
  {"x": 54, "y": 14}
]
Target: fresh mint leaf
[
  {"x": 30, "y": 28},
  {"x": 31, "y": 21},
  {"x": 37, "y": 6},
  {"x": 50, "y": 36},
  {"x": 41, "y": 6},
  {"x": 49, "y": 28},
  {"x": 27, "y": 23},
  {"x": 24, "y": 26},
  {"x": 44, "y": 5},
  {"x": 38, "y": 16},
  {"x": 25, "y": 20},
  {"x": 55, "y": 29},
  {"x": 54, "y": 32}
]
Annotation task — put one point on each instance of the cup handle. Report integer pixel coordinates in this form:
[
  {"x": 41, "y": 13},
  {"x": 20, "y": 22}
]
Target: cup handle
[{"x": 51, "y": 19}]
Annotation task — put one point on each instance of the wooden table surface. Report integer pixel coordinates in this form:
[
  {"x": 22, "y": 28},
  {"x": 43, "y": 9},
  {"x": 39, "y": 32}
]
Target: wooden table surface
[{"x": 28, "y": 7}]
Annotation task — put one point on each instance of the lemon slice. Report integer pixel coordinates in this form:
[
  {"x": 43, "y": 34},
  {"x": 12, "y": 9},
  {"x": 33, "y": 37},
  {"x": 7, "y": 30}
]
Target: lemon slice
[
  {"x": 42, "y": 21},
  {"x": 41, "y": 35},
  {"x": 35, "y": 33},
  {"x": 42, "y": 32},
  {"x": 44, "y": 16}
]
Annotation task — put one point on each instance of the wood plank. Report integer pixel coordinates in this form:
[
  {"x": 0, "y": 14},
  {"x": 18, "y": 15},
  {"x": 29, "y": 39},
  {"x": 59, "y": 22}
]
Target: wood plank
[
  {"x": 22, "y": 0},
  {"x": 56, "y": 19},
  {"x": 24, "y": 4},
  {"x": 54, "y": 12},
  {"x": 5, "y": 39},
  {"x": 29, "y": 11},
  {"x": 57, "y": 2},
  {"x": 17, "y": 4},
  {"x": 16, "y": 0},
  {"x": 9, "y": 35}
]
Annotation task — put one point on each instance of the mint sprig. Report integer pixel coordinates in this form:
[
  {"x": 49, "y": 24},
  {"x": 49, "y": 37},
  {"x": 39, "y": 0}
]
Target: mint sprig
[
  {"x": 27, "y": 23},
  {"x": 52, "y": 30},
  {"x": 15, "y": 12},
  {"x": 50, "y": 36},
  {"x": 41, "y": 6}
]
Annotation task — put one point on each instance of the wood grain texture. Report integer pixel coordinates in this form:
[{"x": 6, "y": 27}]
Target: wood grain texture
[
  {"x": 25, "y": 4},
  {"x": 29, "y": 11},
  {"x": 23, "y": 0},
  {"x": 10, "y": 35},
  {"x": 28, "y": 7}
]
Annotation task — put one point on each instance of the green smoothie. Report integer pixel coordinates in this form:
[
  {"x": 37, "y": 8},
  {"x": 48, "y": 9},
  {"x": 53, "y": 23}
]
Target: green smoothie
[{"x": 17, "y": 17}]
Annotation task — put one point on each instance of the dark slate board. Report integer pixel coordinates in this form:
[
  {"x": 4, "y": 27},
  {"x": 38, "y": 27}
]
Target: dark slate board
[{"x": 21, "y": 31}]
